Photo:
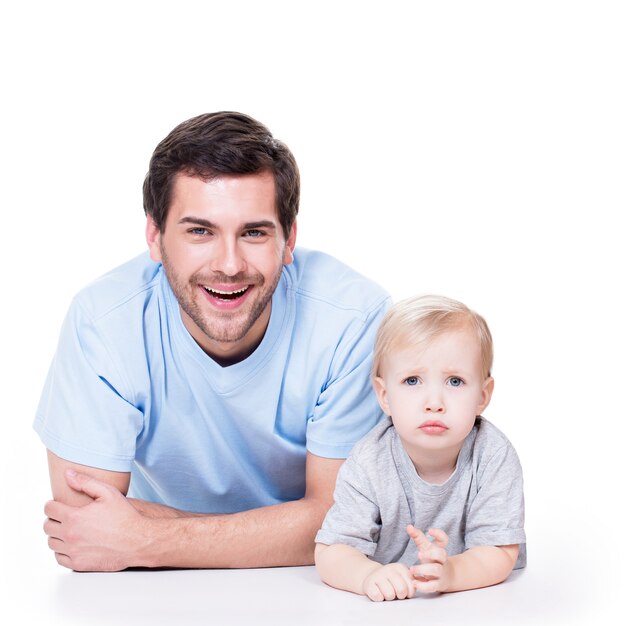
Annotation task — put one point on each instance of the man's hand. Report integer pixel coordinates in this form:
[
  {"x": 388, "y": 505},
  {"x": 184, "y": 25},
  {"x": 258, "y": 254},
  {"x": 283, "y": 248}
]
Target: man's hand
[
  {"x": 389, "y": 582},
  {"x": 100, "y": 536},
  {"x": 433, "y": 573},
  {"x": 92, "y": 526}
]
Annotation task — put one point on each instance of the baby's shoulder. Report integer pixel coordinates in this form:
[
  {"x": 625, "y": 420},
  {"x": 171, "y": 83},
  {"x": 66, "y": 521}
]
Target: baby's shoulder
[
  {"x": 374, "y": 447},
  {"x": 491, "y": 448}
]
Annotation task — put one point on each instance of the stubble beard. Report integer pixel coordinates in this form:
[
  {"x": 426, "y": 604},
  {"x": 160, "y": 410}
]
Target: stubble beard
[{"x": 220, "y": 326}]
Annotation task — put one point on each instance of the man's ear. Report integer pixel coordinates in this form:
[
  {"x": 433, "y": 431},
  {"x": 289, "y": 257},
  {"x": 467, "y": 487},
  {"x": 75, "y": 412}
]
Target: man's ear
[
  {"x": 381, "y": 394},
  {"x": 290, "y": 244},
  {"x": 487, "y": 392},
  {"x": 153, "y": 237}
]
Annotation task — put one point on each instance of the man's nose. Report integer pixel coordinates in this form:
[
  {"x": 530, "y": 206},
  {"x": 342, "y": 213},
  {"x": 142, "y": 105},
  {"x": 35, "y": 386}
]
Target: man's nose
[{"x": 228, "y": 258}]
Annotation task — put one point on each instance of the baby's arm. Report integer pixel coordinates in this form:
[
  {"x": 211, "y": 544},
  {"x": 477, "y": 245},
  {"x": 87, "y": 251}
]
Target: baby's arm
[
  {"x": 344, "y": 567},
  {"x": 481, "y": 566}
]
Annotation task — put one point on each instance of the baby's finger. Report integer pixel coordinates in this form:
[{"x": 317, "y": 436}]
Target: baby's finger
[
  {"x": 373, "y": 592},
  {"x": 403, "y": 585},
  {"x": 426, "y": 571},
  {"x": 433, "y": 555},
  {"x": 440, "y": 537},
  {"x": 420, "y": 539},
  {"x": 426, "y": 586},
  {"x": 387, "y": 589}
]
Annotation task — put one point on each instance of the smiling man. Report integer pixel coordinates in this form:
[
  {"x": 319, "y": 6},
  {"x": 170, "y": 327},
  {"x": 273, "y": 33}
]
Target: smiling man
[{"x": 219, "y": 380}]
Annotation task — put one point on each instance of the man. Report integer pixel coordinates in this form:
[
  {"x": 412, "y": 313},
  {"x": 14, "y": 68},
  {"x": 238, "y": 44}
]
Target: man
[{"x": 219, "y": 380}]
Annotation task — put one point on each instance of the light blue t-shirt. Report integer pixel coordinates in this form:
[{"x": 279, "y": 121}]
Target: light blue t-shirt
[{"x": 130, "y": 390}]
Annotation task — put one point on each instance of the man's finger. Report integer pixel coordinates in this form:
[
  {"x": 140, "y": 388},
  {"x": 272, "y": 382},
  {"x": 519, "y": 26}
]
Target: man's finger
[
  {"x": 64, "y": 560},
  {"x": 87, "y": 484},
  {"x": 52, "y": 528},
  {"x": 56, "y": 510}
]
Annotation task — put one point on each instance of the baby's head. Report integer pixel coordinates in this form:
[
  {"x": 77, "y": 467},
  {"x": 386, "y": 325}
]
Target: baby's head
[
  {"x": 416, "y": 321},
  {"x": 432, "y": 371}
]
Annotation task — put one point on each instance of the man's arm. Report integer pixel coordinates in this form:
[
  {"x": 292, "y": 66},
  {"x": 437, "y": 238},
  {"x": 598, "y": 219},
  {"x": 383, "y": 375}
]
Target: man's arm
[
  {"x": 110, "y": 534},
  {"x": 62, "y": 492}
]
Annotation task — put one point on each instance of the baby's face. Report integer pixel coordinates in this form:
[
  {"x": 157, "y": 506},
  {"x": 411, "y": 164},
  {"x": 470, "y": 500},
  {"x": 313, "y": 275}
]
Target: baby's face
[{"x": 433, "y": 393}]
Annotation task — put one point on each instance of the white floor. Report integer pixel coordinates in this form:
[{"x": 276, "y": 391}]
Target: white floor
[
  {"x": 574, "y": 577},
  {"x": 290, "y": 596}
]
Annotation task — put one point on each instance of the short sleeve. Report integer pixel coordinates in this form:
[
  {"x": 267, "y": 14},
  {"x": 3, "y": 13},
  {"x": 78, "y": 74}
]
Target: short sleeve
[
  {"x": 354, "y": 518},
  {"x": 347, "y": 408},
  {"x": 496, "y": 514},
  {"x": 84, "y": 415}
]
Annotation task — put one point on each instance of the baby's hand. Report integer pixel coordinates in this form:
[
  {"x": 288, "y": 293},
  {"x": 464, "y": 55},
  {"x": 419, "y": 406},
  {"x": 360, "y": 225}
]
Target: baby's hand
[
  {"x": 389, "y": 582},
  {"x": 433, "y": 572}
]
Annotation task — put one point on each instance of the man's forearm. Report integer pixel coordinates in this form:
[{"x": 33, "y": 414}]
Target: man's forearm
[{"x": 277, "y": 535}]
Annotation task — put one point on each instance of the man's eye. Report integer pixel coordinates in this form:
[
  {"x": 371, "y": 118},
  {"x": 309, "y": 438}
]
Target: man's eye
[
  {"x": 412, "y": 380},
  {"x": 454, "y": 381},
  {"x": 198, "y": 231},
  {"x": 254, "y": 234}
]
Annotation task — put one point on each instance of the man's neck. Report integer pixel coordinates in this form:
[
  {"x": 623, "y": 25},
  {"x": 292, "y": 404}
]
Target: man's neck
[{"x": 226, "y": 353}]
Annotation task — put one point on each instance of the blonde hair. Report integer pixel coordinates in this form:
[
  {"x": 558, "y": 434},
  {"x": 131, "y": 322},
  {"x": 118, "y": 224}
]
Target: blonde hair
[{"x": 418, "y": 320}]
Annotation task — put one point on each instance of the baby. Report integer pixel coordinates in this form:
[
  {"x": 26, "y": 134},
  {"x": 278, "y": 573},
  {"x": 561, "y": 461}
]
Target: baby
[{"x": 435, "y": 465}]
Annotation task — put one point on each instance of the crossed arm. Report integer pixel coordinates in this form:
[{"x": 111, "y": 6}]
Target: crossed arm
[
  {"x": 92, "y": 526},
  {"x": 344, "y": 567}
]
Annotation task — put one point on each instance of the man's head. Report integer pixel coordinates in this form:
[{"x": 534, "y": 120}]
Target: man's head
[
  {"x": 221, "y": 199},
  {"x": 213, "y": 145}
]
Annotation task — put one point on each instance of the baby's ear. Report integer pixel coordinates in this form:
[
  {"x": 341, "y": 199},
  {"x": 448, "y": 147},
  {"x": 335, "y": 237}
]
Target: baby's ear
[
  {"x": 381, "y": 394},
  {"x": 487, "y": 393}
]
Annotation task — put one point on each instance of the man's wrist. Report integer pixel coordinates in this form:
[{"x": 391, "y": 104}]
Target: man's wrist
[{"x": 149, "y": 542}]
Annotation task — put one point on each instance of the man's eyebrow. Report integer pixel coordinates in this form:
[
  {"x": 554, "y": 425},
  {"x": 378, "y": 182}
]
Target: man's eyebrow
[
  {"x": 208, "y": 224},
  {"x": 196, "y": 220},
  {"x": 259, "y": 224}
]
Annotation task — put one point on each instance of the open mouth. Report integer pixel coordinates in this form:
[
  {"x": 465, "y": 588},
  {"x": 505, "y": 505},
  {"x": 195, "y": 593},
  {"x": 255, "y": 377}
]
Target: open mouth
[{"x": 225, "y": 295}]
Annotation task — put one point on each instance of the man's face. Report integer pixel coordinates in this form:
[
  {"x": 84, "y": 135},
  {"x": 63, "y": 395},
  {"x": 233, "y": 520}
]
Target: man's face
[
  {"x": 433, "y": 394},
  {"x": 223, "y": 249}
]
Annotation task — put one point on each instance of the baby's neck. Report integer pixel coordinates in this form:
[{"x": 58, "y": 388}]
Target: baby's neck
[{"x": 435, "y": 467}]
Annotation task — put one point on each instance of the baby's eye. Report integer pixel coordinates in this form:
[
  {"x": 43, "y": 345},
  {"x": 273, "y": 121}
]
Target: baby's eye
[
  {"x": 412, "y": 380},
  {"x": 454, "y": 381}
]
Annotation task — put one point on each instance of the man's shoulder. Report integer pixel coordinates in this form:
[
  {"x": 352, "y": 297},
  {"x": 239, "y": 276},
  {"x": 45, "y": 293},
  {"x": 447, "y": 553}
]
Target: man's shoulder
[
  {"x": 319, "y": 278},
  {"x": 127, "y": 285}
]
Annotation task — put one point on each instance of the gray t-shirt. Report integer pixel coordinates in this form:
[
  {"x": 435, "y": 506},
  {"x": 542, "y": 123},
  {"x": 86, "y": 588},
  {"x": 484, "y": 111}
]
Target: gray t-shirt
[{"x": 379, "y": 492}]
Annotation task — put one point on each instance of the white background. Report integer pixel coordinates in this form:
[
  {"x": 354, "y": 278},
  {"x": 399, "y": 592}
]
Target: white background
[{"x": 474, "y": 149}]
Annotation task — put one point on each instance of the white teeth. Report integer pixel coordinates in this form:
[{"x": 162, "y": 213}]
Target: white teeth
[{"x": 226, "y": 293}]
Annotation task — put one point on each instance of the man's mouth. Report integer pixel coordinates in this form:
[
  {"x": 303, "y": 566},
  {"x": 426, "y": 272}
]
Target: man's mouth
[{"x": 226, "y": 295}]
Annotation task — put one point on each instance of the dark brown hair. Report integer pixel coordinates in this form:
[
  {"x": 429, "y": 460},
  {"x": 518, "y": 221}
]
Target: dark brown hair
[{"x": 215, "y": 144}]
